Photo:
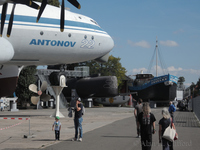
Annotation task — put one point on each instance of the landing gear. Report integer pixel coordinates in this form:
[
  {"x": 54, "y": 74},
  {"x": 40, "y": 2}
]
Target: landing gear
[{"x": 58, "y": 86}]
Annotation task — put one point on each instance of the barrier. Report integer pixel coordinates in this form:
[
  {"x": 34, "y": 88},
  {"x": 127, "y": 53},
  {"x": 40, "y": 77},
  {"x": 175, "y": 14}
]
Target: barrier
[
  {"x": 5, "y": 118},
  {"x": 15, "y": 118},
  {"x": 10, "y": 126}
]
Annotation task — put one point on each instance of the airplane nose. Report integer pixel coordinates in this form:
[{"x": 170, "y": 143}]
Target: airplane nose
[
  {"x": 106, "y": 46},
  {"x": 110, "y": 43}
]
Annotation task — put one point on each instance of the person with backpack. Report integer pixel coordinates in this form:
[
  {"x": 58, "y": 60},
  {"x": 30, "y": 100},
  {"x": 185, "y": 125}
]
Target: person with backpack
[
  {"x": 146, "y": 121},
  {"x": 171, "y": 110},
  {"x": 78, "y": 120}
]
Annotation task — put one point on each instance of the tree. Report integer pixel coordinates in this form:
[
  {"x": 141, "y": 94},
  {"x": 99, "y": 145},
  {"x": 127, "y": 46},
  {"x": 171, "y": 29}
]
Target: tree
[
  {"x": 111, "y": 68},
  {"x": 196, "y": 89},
  {"x": 181, "y": 80},
  {"x": 26, "y": 77},
  {"x": 52, "y": 2}
]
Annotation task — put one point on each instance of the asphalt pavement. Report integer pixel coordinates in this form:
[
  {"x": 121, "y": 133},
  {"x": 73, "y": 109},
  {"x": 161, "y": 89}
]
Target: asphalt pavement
[{"x": 109, "y": 128}]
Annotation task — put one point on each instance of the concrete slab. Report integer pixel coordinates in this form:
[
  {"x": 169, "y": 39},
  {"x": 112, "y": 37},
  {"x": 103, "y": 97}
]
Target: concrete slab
[
  {"x": 108, "y": 128},
  {"x": 41, "y": 125}
]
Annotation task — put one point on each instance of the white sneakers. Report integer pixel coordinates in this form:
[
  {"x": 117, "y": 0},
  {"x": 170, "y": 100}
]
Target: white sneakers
[{"x": 80, "y": 139}]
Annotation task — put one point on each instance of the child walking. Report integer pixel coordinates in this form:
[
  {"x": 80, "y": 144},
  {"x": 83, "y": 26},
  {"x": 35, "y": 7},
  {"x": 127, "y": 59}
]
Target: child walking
[{"x": 57, "y": 127}]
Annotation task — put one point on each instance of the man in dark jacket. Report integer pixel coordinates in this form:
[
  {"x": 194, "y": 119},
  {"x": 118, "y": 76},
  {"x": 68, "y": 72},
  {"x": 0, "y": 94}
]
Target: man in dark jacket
[
  {"x": 137, "y": 111},
  {"x": 78, "y": 121}
]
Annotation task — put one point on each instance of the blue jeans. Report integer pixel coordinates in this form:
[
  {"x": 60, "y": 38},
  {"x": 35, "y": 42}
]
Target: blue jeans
[{"x": 78, "y": 127}]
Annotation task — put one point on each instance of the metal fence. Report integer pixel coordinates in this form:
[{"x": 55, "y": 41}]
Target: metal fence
[{"x": 195, "y": 104}]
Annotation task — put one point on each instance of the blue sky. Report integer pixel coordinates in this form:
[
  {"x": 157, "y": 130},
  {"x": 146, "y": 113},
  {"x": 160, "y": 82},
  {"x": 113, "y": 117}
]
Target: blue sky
[{"x": 134, "y": 26}]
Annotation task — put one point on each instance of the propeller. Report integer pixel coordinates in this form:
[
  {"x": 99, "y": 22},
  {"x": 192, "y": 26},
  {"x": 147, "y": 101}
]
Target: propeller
[
  {"x": 75, "y": 3},
  {"x": 62, "y": 14},
  {"x": 3, "y": 17},
  {"x": 11, "y": 21},
  {"x": 4, "y": 10},
  {"x": 39, "y": 94},
  {"x": 32, "y": 4},
  {"x": 44, "y": 3}
]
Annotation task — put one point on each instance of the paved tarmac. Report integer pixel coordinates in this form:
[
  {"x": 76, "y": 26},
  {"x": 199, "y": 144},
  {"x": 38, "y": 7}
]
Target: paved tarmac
[{"x": 108, "y": 128}]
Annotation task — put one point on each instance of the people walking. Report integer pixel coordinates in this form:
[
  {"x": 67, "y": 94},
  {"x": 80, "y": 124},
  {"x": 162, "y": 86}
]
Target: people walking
[
  {"x": 146, "y": 121},
  {"x": 137, "y": 111},
  {"x": 163, "y": 124},
  {"x": 172, "y": 110},
  {"x": 57, "y": 127},
  {"x": 78, "y": 120}
]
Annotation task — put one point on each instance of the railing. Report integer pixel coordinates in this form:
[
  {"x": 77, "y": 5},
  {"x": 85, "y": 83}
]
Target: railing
[{"x": 195, "y": 103}]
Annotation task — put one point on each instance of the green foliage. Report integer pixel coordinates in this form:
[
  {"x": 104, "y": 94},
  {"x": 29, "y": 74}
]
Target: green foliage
[
  {"x": 180, "y": 85},
  {"x": 26, "y": 77},
  {"x": 181, "y": 80},
  {"x": 111, "y": 68},
  {"x": 195, "y": 88},
  {"x": 51, "y": 2}
]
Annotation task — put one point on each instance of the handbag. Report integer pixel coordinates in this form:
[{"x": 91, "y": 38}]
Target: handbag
[
  {"x": 169, "y": 133},
  {"x": 176, "y": 136}
]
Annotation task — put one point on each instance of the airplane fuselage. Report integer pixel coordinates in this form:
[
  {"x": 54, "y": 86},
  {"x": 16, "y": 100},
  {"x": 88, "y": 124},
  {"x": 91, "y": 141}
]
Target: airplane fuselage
[{"x": 42, "y": 43}]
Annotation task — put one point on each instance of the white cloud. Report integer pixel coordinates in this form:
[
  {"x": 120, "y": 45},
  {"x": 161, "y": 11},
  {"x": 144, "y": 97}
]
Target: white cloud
[
  {"x": 136, "y": 71},
  {"x": 179, "y": 31},
  {"x": 172, "y": 68},
  {"x": 142, "y": 43},
  {"x": 169, "y": 43}
]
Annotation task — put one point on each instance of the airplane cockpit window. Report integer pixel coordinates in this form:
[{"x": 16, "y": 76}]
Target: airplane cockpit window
[{"x": 94, "y": 22}]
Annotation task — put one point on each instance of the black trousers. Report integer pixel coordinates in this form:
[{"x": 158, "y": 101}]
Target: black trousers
[
  {"x": 57, "y": 134},
  {"x": 167, "y": 145},
  {"x": 172, "y": 115},
  {"x": 146, "y": 141}
]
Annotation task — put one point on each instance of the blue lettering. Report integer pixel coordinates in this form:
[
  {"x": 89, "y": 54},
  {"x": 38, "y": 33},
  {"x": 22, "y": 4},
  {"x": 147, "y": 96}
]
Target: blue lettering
[
  {"x": 40, "y": 42},
  {"x": 33, "y": 42},
  {"x": 48, "y": 42},
  {"x": 60, "y": 43},
  {"x": 66, "y": 44},
  {"x": 72, "y": 44},
  {"x": 53, "y": 43}
]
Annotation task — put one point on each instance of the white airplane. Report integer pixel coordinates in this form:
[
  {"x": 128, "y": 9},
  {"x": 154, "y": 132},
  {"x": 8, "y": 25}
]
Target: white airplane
[{"x": 42, "y": 43}]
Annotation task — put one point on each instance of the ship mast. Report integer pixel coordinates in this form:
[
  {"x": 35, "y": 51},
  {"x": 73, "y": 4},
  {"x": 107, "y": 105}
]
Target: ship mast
[
  {"x": 157, "y": 53},
  {"x": 156, "y": 57}
]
